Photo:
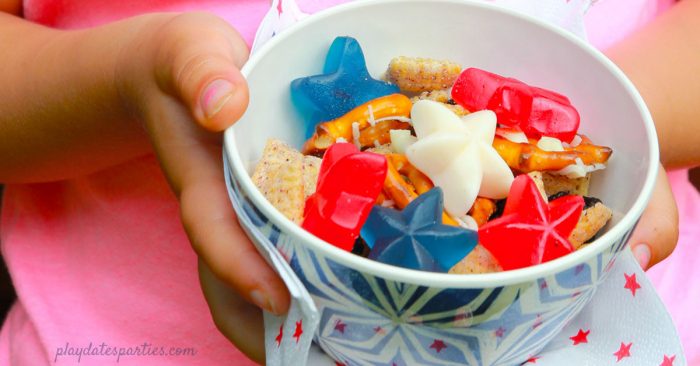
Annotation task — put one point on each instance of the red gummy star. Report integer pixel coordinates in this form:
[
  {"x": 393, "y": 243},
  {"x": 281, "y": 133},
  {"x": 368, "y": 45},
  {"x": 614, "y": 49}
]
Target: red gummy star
[
  {"x": 623, "y": 352},
  {"x": 349, "y": 182},
  {"x": 298, "y": 331},
  {"x": 278, "y": 339},
  {"x": 500, "y": 332},
  {"x": 631, "y": 283},
  {"x": 668, "y": 361},
  {"x": 438, "y": 345},
  {"x": 340, "y": 326},
  {"x": 580, "y": 337},
  {"x": 531, "y": 231}
]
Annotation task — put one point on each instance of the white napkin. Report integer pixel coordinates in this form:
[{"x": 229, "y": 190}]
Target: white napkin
[
  {"x": 619, "y": 325},
  {"x": 281, "y": 15}
]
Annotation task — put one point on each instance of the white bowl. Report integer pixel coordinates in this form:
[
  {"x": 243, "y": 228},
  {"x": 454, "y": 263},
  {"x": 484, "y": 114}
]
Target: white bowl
[{"x": 415, "y": 309}]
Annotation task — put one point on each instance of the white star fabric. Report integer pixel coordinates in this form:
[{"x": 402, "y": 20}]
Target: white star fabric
[{"x": 457, "y": 155}]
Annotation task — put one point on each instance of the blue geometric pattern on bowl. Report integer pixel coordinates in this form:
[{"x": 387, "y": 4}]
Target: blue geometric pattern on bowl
[{"x": 368, "y": 320}]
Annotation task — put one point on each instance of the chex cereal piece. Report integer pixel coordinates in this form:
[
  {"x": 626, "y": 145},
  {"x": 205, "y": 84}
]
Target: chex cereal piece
[
  {"x": 286, "y": 177},
  {"x": 415, "y": 74},
  {"x": 442, "y": 96},
  {"x": 554, "y": 183},
  {"x": 438, "y": 95},
  {"x": 478, "y": 260},
  {"x": 311, "y": 166},
  {"x": 592, "y": 220}
]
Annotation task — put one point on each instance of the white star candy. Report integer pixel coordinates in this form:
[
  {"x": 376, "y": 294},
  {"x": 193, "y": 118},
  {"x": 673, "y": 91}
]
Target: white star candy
[{"x": 457, "y": 155}]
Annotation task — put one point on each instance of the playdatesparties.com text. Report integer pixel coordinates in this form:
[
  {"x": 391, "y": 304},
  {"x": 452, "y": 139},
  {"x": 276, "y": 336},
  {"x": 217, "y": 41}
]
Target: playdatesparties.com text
[{"x": 117, "y": 353}]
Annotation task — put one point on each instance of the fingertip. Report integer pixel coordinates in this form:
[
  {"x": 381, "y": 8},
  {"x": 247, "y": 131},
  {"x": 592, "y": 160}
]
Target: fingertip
[
  {"x": 221, "y": 102},
  {"x": 274, "y": 299},
  {"x": 281, "y": 298},
  {"x": 246, "y": 272},
  {"x": 642, "y": 253}
]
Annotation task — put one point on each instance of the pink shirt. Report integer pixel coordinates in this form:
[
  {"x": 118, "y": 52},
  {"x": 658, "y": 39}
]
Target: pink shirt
[{"x": 101, "y": 263}]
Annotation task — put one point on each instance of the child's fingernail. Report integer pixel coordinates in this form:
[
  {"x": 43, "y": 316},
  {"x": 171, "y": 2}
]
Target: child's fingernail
[
  {"x": 262, "y": 301},
  {"x": 215, "y": 96},
  {"x": 643, "y": 254}
]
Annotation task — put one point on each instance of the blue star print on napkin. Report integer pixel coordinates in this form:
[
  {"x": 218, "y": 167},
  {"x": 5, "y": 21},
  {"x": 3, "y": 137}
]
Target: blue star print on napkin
[
  {"x": 415, "y": 237},
  {"x": 344, "y": 85}
]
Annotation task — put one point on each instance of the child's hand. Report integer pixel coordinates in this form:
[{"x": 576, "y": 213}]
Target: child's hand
[
  {"x": 181, "y": 78},
  {"x": 84, "y": 100},
  {"x": 656, "y": 235}
]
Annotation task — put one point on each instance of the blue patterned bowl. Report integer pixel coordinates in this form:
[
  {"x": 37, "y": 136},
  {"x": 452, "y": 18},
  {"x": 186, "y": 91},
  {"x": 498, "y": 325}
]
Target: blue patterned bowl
[{"x": 376, "y": 314}]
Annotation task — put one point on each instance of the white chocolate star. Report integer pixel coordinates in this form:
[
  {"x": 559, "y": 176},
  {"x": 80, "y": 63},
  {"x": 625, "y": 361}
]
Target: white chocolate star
[{"x": 457, "y": 155}]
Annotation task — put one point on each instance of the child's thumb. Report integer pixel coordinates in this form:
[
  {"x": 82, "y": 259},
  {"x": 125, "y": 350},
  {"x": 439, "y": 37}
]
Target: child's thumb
[
  {"x": 202, "y": 61},
  {"x": 656, "y": 235}
]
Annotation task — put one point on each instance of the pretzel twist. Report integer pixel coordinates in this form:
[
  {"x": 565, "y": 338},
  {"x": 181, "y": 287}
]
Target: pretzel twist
[
  {"x": 528, "y": 157},
  {"x": 393, "y": 105}
]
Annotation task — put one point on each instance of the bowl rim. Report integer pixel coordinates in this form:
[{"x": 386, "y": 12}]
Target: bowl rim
[{"x": 443, "y": 280}]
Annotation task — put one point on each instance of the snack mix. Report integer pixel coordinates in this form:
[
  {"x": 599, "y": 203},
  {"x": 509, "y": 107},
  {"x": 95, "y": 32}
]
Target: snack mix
[{"x": 435, "y": 168}]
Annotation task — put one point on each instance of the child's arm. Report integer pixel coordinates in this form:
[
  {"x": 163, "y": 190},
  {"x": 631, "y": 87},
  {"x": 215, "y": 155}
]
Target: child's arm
[
  {"x": 663, "y": 61},
  {"x": 75, "y": 102}
]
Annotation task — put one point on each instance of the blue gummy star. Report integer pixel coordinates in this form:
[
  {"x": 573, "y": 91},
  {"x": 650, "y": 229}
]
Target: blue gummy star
[
  {"x": 415, "y": 237},
  {"x": 344, "y": 85}
]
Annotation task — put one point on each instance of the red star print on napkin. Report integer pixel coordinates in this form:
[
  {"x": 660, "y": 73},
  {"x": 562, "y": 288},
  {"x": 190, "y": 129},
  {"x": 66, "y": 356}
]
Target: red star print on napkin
[
  {"x": 580, "y": 337},
  {"x": 438, "y": 345},
  {"x": 668, "y": 361},
  {"x": 631, "y": 283},
  {"x": 623, "y": 352},
  {"x": 532, "y": 359},
  {"x": 279, "y": 7},
  {"x": 298, "y": 331},
  {"x": 278, "y": 339},
  {"x": 340, "y": 326}
]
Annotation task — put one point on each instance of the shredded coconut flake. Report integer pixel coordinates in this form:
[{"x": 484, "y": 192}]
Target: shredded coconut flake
[
  {"x": 576, "y": 141},
  {"x": 388, "y": 203},
  {"x": 377, "y": 144},
  {"x": 579, "y": 169},
  {"x": 517, "y": 137},
  {"x": 466, "y": 222},
  {"x": 341, "y": 139},
  {"x": 371, "y": 121},
  {"x": 550, "y": 144},
  {"x": 356, "y": 134}
]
